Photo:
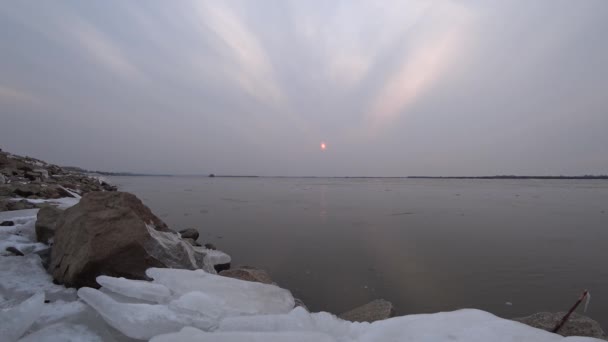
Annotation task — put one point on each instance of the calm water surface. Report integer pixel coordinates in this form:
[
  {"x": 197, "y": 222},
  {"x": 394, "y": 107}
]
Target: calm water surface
[{"x": 425, "y": 245}]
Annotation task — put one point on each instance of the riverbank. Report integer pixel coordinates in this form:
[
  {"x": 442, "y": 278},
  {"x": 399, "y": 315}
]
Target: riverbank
[{"x": 168, "y": 300}]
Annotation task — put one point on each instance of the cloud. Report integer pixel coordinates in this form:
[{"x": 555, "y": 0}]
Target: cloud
[
  {"x": 12, "y": 95},
  {"x": 101, "y": 48},
  {"x": 426, "y": 59},
  {"x": 250, "y": 67}
]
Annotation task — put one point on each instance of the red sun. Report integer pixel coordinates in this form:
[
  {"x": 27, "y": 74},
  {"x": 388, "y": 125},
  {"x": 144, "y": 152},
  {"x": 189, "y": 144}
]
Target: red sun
[{"x": 323, "y": 146}]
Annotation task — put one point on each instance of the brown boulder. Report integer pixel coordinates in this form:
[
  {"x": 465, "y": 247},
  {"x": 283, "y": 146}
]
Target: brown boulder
[
  {"x": 375, "y": 310},
  {"x": 45, "y": 223},
  {"x": 115, "y": 234},
  {"x": 189, "y": 233},
  {"x": 248, "y": 274}
]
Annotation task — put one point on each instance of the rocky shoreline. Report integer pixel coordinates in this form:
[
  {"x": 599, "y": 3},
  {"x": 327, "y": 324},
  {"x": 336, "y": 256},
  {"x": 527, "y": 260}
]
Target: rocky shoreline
[{"x": 86, "y": 229}]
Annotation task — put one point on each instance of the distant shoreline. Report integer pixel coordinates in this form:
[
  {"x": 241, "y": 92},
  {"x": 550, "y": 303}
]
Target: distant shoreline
[{"x": 601, "y": 177}]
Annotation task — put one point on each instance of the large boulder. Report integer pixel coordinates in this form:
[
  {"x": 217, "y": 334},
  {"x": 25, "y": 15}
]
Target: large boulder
[
  {"x": 189, "y": 233},
  {"x": 115, "y": 234},
  {"x": 45, "y": 223},
  {"x": 375, "y": 310},
  {"x": 577, "y": 325}
]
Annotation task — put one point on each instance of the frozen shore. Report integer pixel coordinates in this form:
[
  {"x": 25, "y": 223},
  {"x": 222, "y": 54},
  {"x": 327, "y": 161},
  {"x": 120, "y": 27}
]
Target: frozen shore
[{"x": 182, "y": 304}]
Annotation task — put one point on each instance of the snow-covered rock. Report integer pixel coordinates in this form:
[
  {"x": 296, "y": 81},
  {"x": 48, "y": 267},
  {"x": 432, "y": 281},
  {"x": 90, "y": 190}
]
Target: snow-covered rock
[{"x": 115, "y": 233}]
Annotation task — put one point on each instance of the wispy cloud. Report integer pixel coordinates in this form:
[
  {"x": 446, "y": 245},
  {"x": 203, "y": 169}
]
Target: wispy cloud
[
  {"x": 249, "y": 64},
  {"x": 11, "y": 95},
  {"x": 427, "y": 58},
  {"x": 101, "y": 48}
]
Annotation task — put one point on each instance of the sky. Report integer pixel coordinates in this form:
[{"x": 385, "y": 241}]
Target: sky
[{"x": 392, "y": 88}]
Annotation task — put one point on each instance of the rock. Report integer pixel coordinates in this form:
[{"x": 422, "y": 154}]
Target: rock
[
  {"x": 221, "y": 267},
  {"x": 45, "y": 223},
  {"x": 192, "y": 242},
  {"x": 8, "y": 205},
  {"x": 40, "y": 190},
  {"x": 115, "y": 234},
  {"x": 189, "y": 233},
  {"x": 300, "y": 303},
  {"x": 248, "y": 274},
  {"x": 2, "y": 179},
  {"x": 7, "y": 223},
  {"x": 45, "y": 256},
  {"x": 375, "y": 310},
  {"x": 577, "y": 325},
  {"x": 14, "y": 250},
  {"x": 210, "y": 246},
  {"x": 42, "y": 173}
]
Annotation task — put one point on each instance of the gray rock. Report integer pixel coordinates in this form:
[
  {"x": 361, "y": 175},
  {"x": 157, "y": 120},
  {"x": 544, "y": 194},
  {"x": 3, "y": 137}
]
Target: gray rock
[
  {"x": 210, "y": 246},
  {"x": 45, "y": 256},
  {"x": 2, "y": 179},
  {"x": 248, "y": 273},
  {"x": 45, "y": 223},
  {"x": 7, "y": 223},
  {"x": 577, "y": 325},
  {"x": 375, "y": 310},
  {"x": 8, "y": 205},
  {"x": 189, "y": 233},
  {"x": 115, "y": 234},
  {"x": 14, "y": 250}
]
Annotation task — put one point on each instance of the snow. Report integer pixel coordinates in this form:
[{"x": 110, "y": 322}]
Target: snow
[
  {"x": 16, "y": 320},
  {"x": 72, "y": 192},
  {"x": 462, "y": 325},
  {"x": 61, "y": 203},
  {"x": 195, "y": 335},
  {"x": 24, "y": 275},
  {"x": 63, "y": 332},
  {"x": 59, "y": 310}
]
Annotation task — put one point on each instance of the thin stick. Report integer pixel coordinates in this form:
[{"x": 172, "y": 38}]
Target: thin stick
[{"x": 566, "y": 316}]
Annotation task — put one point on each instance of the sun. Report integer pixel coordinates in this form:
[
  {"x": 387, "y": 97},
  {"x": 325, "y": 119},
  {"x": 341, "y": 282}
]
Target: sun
[{"x": 323, "y": 146}]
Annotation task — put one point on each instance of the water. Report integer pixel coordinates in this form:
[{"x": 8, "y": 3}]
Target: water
[{"x": 426, "y": 245}]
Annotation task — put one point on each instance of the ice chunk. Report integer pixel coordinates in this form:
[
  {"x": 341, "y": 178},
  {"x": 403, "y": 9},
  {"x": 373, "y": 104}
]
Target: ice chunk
[
  {"x": 139, "y": 321},
  {"x": 59, "y": 310},
  {"x": 189, "y": 334},
  {"x": 138, "y": 289},
  {"x": 16, "y": 320},
  {"x": 243, "y": 296},
  {"x": 25, "y": 275},
  {"x": 63, "y": 332},
  {"x": 176, "y": 252},
  {"x": 214, "y": 257}
]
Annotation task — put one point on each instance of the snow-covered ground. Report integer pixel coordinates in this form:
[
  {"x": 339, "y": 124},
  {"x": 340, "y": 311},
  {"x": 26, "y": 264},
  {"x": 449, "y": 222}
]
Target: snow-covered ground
[{"x": 182, "y": 305}]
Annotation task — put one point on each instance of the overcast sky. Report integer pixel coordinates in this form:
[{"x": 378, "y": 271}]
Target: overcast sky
[{"x": 253, "y": 87}]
